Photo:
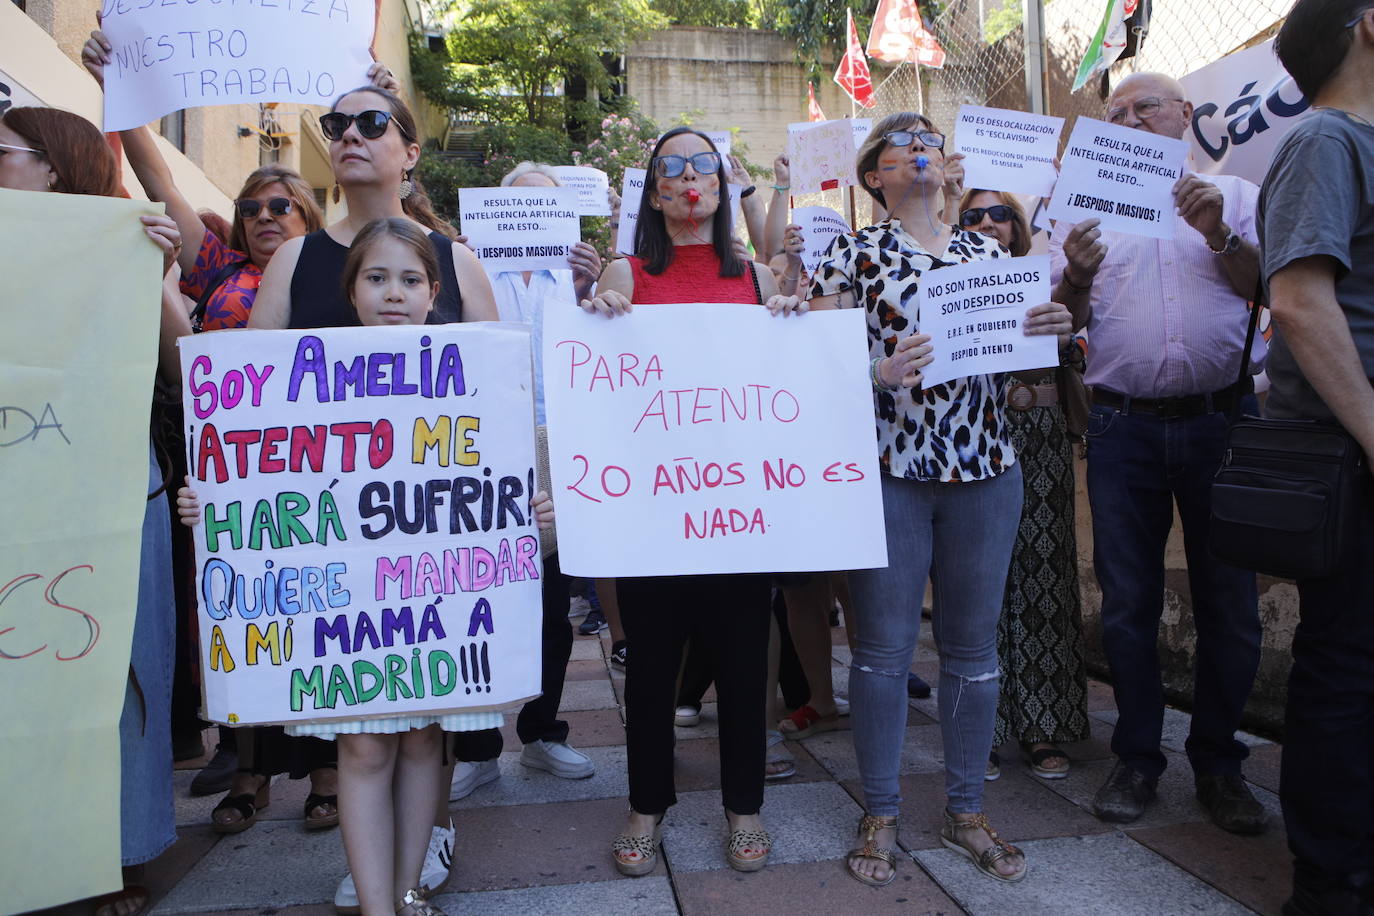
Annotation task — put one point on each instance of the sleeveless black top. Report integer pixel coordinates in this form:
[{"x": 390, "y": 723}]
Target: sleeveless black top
[{"x": 317, "y": 294}]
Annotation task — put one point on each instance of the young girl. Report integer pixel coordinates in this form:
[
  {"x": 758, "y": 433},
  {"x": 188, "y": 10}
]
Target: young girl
[{"x": 389, "y": 769}]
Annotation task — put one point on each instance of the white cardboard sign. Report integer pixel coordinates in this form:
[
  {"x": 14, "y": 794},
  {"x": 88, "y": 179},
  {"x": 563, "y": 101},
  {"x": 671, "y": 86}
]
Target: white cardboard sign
[
  {"x": 366, "y": 546},
  {"x": 819, "y": 226},
  {"x": 723, "y": 140},
  {"x": 1120, "y": 175},
  {"x": 821, "y": 157},
  {"x": 176, "y": 54},
  {"x": 973, "y": 314},
  {"x": 520, "y": 228},
  {"x": 591, "y": 185},
  {"x": 630, "y": 194},
  {"x": 860, "y": 126},
  {"x": 1008, "y": 150},
  {"x": 679, "y": 443}
]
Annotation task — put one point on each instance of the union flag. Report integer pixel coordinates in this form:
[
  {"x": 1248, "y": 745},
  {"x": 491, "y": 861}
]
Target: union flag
[
  {"x": 898, "y": 35},
  {"x": 813, "y": 108},
  {"x": 852, "y": 75}
]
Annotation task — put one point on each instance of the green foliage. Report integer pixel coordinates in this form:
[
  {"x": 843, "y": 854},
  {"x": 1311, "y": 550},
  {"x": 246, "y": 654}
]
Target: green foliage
[
  {"x": 727, "y": 13},
  {"x": 998, "y": 24}
]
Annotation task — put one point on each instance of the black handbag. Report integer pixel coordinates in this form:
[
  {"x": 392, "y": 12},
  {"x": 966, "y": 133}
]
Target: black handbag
[{"x": 1284, "y": 502}]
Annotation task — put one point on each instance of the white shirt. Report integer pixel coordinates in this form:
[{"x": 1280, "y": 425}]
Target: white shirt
[{"x": 517, "y": 302}]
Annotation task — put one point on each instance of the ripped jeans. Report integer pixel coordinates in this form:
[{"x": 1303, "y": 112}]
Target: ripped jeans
[{"x": 961, "y": 534}]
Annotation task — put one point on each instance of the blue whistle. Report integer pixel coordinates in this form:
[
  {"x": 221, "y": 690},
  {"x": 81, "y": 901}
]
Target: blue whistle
[{"x": 922, "y": 162}]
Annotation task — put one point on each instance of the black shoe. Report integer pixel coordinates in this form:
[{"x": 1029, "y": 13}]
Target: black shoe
[
  {"x": 217, "y": 775},
  {"x": 916, "y": 687},
  {"x": 1230, "y": 804},
  {"x": 595, "y": 623},
  {"x": 1124, "y": 795},
  {"x": 618, "y": 650},
  {"x": 1334, "y": 902}
]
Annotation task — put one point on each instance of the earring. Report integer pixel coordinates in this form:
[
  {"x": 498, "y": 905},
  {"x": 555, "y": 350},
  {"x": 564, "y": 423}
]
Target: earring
[
  {"x": 335, "y": 195},
  {"x": 407, "y": 187}
]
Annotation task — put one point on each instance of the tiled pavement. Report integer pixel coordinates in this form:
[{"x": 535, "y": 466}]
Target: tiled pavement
[{"x": 531, "y": 843}]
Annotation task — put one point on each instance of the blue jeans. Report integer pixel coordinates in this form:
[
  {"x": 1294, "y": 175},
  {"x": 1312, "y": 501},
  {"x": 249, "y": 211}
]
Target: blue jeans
[
  {"x": 960, "y": 535},
  {"x": 1139, "y": 465}
]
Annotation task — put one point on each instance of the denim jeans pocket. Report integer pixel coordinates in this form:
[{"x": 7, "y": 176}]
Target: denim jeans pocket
[{"x": 1100, "y": 421}]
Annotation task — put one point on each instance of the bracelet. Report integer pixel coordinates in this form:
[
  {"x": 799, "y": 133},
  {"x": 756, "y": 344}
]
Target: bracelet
[
  {"x": 792, "y": 277},
  {"x": 747, "y": 191},
  {"x": 782, "y": 187},
  {"x": 876, "y": 377}
]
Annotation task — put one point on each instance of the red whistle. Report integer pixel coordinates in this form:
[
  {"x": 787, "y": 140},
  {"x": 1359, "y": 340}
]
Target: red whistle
[{"x": 692, "y": 195}]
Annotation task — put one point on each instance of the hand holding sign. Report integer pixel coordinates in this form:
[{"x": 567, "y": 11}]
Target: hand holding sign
[
  {"x": 817, "y": 227},
  {"x": 1199, "y": 202}
]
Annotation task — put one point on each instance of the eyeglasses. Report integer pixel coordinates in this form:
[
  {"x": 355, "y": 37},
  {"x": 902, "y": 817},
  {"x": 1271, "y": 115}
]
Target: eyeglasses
[
  {"x": 21, "y": 149},
  {"x": 707, "y": 163},
  {"x": 906, "y": 137},
  {"x": 371, "y": 124},
  {"x": 1144, "y": 109},
  {"x": 249, "y": 208},
  {"x": 1000, "y": 213},
  {"x": 1356, "y": 21}
]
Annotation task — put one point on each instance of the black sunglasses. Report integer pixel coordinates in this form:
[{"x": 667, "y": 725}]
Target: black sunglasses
[
  {"x": 906, "y": 137},
  {"x": 249, "y": 209},
  {"x": 707, "y": 163},
  {"x": 1000, "y": 213},
  {"x": 371, "y": 124}
]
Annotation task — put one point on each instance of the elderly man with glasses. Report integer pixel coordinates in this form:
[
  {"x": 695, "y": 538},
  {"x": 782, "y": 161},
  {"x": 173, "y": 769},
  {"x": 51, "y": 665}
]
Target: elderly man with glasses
[{"x": 1166, "y": 322}]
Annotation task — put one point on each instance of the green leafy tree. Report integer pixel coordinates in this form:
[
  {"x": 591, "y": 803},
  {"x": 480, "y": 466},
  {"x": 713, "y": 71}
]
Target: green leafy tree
[{"x": 726, "y": 13}]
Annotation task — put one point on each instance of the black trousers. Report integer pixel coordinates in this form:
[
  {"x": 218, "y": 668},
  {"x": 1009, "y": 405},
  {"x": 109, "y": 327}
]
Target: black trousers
[
  {"x": 538, "y": 719},
  {"x": 726, "y": 617},
  {"x": 697, "y": 673},
  {"x": 1327, "y": 779}
]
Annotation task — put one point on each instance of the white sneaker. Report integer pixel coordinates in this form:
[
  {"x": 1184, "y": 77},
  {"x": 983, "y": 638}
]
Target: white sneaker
[
  {"x": 841, "y": 705},
  {"x": 578, "y": 606},
  {"x": 557, "y": 758},
  {"x": 433, "y": 876},
  {"x": 687, "y": 716},
  {"x": 469, "y": 776}
]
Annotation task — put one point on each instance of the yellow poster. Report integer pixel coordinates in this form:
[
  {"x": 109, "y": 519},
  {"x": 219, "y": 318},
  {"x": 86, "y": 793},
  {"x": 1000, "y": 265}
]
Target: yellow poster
[{"x": 79, "y": 301}]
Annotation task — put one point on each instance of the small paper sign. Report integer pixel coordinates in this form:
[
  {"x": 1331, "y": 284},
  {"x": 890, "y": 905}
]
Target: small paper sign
[
  {"x": 630, "y": 194},
  {"x": 1120, "y": 175},
  {"x": 819, "y": 226},
  {"x": 591, "y": 185},
  {"x": 520, "y": 228},
  {"x": 1010, "y": 151}
]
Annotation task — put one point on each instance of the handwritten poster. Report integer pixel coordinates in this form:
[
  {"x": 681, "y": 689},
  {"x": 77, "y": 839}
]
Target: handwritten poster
[
  {"x": 1008, "y": 150},
  {"x": 591, "y": 185},
  {"x": 178, "y": 54},
  {"x": 819, "y": 225},
  {"x": 520, "y": 228},
  {"x": 631, "y": 192},
  {"x": 366, "y": 545},
  {"x": 75, "y": 384},
  {"x": 712, "y": 439},
  {"x": 973, "y": 313},
  {"x": 821, "y": 156},
  {"x": 861, "y": 128},
  {"x": 1121, "y": 176}
]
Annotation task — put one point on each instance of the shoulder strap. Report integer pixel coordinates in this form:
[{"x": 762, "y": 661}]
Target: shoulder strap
[
  {"x": 225, "y": 272},
  {"x": 754, "y": 275},
  {"x": 1256, "y": 306}
]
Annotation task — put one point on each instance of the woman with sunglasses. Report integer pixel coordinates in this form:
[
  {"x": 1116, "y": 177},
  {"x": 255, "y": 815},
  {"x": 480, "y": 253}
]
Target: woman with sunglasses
[
  {"x": 684, "y": 253},
  {"x": 951, "y": 500},
  {"x": 373, "y": 150},
  {"x": 1040, "y": 634}
]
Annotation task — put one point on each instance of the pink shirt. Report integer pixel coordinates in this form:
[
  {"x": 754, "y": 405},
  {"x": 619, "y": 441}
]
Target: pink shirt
[{"x": 1165, "y": 320}]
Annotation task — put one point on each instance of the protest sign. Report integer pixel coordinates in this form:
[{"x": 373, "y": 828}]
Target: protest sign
[
  {"x": 591, "y": 185},
  {"x": 630, "y": 193},
  {"x": 973, "y": 314},
  {"x": 178, "y": 54},
  {"x": 722, "y": 140},
  {"x": 1121, "y": 176},
  {"x": 366, "y": 545},
  {"x": 1008, "y": 150},
  {"x": 1243, "y": 107},
  {"x": 819, "y": 226},
  {"x": 74, "y": 485},
  {"x": 821, "y": 157},
  {"x": 860, "y": 126},
  {"x": 712, "y": 439},
  {"x": 520, "y": 228}
]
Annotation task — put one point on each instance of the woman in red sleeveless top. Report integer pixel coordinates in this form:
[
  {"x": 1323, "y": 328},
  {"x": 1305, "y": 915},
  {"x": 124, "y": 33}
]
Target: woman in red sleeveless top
[{"x": 685, "y": 253}]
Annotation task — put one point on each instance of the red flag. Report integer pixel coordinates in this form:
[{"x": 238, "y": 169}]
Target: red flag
[
  {"x": 813, "y": 108},
  {"x": 852, "y": 74},
  {"x": 899, "y": 35}
]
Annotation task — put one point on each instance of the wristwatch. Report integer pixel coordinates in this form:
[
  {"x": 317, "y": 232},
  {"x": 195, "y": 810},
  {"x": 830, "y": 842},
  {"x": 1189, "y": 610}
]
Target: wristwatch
[
  {"x": 1231, "y": 247},
  {"x": 747, "y": 191}
]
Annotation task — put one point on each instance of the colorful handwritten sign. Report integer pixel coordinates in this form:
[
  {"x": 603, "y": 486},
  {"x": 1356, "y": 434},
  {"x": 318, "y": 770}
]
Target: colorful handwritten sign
[
  {"x": 711, "y": 439},
  {"x": 176, "y": 54},
  {"x": 1120, "y": 175},
  {"x": 973, "y": 313},
  {"x": 520, "y": 228},
  {"x": 821, "y": 156},
  {"x": 366, "y": 545},
  {"x": 1008, "y": 150},
  {"x": 74, "y": 383}
]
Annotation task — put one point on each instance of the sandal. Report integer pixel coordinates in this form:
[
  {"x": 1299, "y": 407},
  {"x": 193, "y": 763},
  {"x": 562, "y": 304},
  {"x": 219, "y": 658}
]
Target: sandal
[
  {"x": 415, "y": 904},
  {"x": 637, "y": 855},
  {"x": 777, "y": 764},
  {"x": 130, "y": 892},
  {"x": 741, "y": 840},
  {"x": 869, "y": 825},
  {"x": 805, "y": 722},
  {"x": 988, "y": 858},
  {"x": 329, "y": 806},
  {"x": 1037, "y": 754},
  {"x": 994, "y": 770},
  {"x": 246, "y": 804}
]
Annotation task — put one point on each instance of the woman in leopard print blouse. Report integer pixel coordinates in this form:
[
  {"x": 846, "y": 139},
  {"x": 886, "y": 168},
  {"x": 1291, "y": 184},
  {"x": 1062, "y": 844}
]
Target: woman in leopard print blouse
[{"x": 951, "y": 498}]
